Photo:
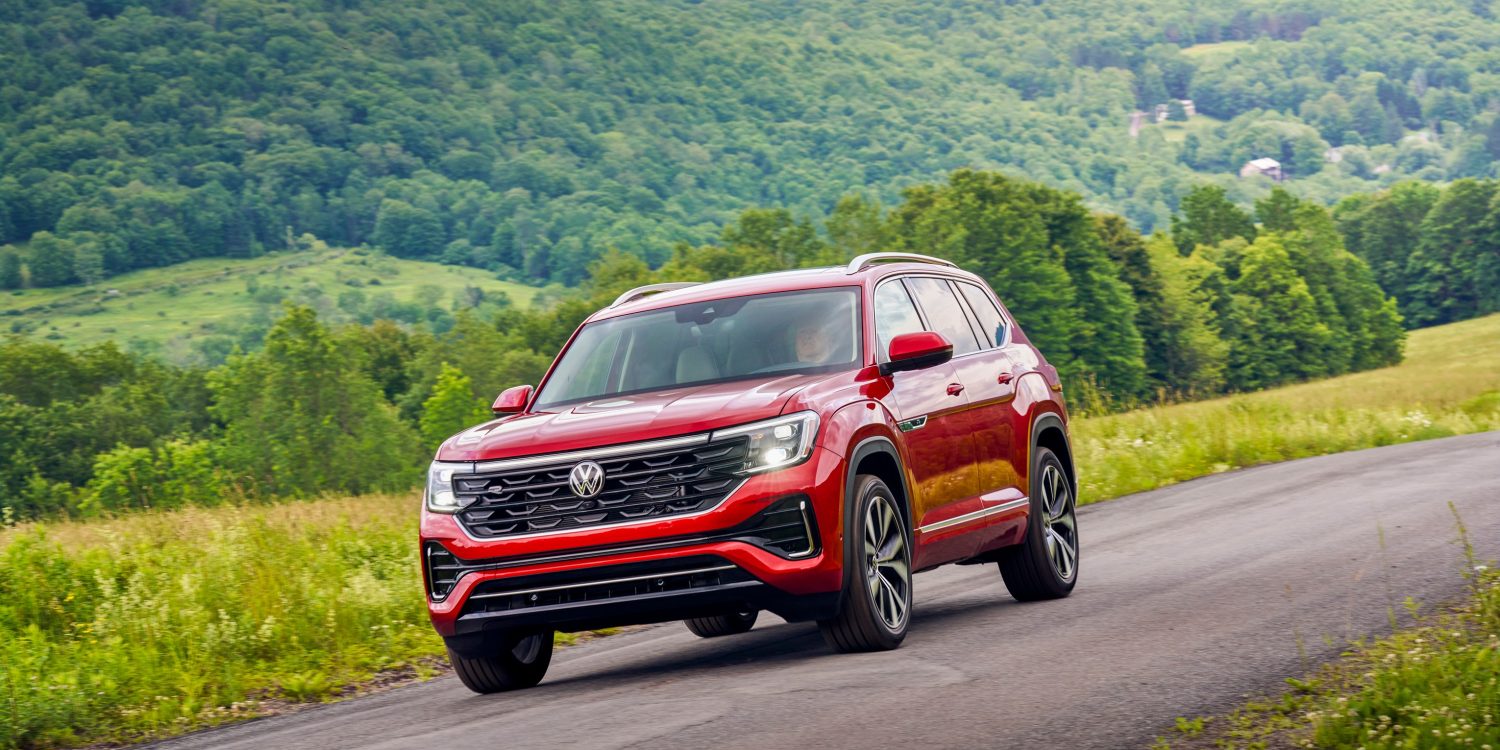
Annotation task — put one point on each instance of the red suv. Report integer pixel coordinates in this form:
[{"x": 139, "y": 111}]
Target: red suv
[{"x": 797, "y": 442}]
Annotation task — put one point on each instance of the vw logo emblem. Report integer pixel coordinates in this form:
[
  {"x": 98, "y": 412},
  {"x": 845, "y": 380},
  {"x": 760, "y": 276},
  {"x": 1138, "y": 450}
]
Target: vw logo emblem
[{"x": 586, "y": 479}]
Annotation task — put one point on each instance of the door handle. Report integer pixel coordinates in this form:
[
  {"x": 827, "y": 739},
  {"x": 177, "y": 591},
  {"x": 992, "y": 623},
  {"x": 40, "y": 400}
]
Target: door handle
[
  {"x": 1005, "y": 377},
  {"x": 955, "y": 388}
]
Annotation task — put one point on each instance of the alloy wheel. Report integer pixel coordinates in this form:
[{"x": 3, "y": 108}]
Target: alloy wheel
[
  {"x": 1060, "y": 525},
  {"x": 887, "y": 562}
]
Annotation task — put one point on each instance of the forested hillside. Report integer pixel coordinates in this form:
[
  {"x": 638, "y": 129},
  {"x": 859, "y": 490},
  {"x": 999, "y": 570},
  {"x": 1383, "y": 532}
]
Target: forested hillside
[
  {"x": 355, "y": 408},
  {"x": 529, "y": 137}
]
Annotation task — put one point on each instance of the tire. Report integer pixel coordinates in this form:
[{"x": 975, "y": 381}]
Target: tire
[
  {"x": 1045, "y": 566},
  {"x": 714, "y": 626},
  {"x": 876, "y": 602},
  {"x": 521, "y": 665}
]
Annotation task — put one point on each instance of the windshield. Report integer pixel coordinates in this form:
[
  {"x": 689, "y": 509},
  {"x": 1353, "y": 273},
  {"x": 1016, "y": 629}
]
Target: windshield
[{"x": 708, "y": 342}]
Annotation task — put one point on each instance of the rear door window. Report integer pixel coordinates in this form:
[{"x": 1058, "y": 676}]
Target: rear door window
[
  {"x": 944, "y": 313},
  {"x": 991, "y": 322}
]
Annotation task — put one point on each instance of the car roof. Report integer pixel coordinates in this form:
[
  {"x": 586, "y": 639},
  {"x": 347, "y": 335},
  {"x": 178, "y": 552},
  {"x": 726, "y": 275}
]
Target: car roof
[{"x": 826, "y": 277}]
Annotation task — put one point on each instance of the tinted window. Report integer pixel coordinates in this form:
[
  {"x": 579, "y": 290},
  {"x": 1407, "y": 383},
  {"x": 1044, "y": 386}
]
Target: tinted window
[
  {"x": 706, "y": 342},
  {"x": 894, "y": 314},
  {"x": 991, "y": 322},
  {"x": 944, "y": 313}
]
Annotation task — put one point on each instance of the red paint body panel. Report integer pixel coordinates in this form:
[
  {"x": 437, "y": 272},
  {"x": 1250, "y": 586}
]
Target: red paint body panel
[{"x": 962, "y": 432}]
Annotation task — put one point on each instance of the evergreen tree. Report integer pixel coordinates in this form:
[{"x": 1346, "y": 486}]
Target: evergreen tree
[
  {"x": 1207, "y": 218},
  {"x": 451, "y": 407}
]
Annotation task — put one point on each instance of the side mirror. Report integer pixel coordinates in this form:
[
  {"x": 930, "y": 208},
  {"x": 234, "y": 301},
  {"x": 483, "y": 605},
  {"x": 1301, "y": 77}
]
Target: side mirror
[
  {"x": 512, "y": 400},
  {"x": 915, "y": 351}
]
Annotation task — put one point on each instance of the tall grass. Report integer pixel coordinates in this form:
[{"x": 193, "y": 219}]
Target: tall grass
[
  {"x": 154, "y": 623},
  {"x": 1448, "y": 385},
  {"x": 160, "y": 622}
]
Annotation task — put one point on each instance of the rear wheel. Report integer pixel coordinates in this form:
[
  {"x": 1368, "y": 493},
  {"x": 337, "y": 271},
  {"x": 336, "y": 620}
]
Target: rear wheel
[
  {"x": 521, "y": 663},
  {"x": 714, "y": 626},
  {"x": 1045, "y": 566},
  {"x": 877, "y": 574}
]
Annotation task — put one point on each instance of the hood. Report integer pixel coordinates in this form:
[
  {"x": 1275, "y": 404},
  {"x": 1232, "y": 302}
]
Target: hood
[{"x": 626, "y": 419}]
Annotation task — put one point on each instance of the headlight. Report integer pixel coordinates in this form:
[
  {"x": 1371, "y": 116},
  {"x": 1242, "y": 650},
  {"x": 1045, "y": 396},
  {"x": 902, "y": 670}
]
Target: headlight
[
  {"x": 439, "y": 490},
  {"x": 775, "y": 443}
]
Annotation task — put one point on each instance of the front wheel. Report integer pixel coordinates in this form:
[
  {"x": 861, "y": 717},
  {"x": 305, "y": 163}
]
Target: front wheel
[
  {"x": 877, "y": 574},
  {"x": 1045, "y": 565},
  {"x": 520, "y": 663}
]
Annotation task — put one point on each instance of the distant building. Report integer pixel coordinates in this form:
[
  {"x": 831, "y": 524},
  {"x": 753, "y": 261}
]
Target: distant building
[
  {"x": 1264, "y": 167},
  {"x": 1163, "y": 111}
]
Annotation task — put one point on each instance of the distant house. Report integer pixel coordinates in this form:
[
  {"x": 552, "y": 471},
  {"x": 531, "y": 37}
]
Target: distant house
[
  {"x": 1265, "y": 167},
  {"x": 1164, "y": 111}
]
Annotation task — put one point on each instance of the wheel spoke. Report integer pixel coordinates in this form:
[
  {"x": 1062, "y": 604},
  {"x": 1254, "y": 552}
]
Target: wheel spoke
[
  {"x": 895, "y": 600},
  {"x": 1062, "y": 552}
]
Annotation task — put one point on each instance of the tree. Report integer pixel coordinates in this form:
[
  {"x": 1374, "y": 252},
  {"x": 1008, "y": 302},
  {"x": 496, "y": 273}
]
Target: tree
[
  {"x": 297, "y": 420},
  {"x": 1277, "y": 211},
  {"x": 451, "y": 407},
  {"x": 856, "y": 226},
  {"x": 1280, "y": 337},
  {"x": 1384, "y": 230},
  {"x": 1207, "y": 218},
  {"x": 407, "y": 231},
  {"x": 10, "y": 269},
  {"x": 1040, "y": 250},
  {"x": 1185, "y": 352},
  {"x": 1440, "y": 280},
  {"x": 53, "y": 260}
]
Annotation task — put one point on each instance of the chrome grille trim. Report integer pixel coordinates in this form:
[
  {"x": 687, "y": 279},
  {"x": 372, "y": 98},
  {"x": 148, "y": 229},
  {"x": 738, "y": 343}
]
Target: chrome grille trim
[
  {"x": 506, "y": 464},
  {"x": 643, "y": 482}
]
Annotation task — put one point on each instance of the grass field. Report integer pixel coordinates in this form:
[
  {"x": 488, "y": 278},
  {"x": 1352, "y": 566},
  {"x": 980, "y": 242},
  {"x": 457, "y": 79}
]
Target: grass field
[
  {"x": 156, "y": 623},
  {"x": 1209, "y": 50},
  {"x": 1177, "y": 132},
  {"x": 201, "y": 297},
  {"x": 1449, "y": 384}
]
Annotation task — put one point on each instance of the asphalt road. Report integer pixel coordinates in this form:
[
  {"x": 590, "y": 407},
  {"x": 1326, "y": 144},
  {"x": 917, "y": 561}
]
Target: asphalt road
[{"x": 1188, "y": 599}]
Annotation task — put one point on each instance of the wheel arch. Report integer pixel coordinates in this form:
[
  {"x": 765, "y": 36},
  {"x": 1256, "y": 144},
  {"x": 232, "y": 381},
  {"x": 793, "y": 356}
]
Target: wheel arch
[
  {"x": 1049, "y": 431},
  {"x": 877, "y": 455}
]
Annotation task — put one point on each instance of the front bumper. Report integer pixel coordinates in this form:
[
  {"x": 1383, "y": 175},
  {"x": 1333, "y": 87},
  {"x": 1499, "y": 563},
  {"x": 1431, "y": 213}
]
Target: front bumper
[{"x": 651, "y": 571}]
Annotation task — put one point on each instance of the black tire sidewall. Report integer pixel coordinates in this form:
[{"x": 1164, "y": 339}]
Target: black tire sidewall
[
  {"x": 857, "y": 594},
  {"x": 1036, "y": 533}
]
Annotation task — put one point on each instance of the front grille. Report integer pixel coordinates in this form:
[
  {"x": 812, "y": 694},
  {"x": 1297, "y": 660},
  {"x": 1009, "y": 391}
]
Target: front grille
[
  {"x": 651, "y": 483},
  {"x": 596, "y": 585}
]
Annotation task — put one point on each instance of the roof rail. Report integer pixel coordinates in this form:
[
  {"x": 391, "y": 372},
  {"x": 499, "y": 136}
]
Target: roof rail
[
  {"x": 869, "y": 259},
  {"x": 642, "y": 291}
]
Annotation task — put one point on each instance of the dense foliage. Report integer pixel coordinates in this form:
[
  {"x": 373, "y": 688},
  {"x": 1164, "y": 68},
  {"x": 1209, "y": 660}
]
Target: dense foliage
[
  {"x": 1436, "y": 250},
  {"x": 357, "y": 408},
  {"x": 530, "y": 137}
]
